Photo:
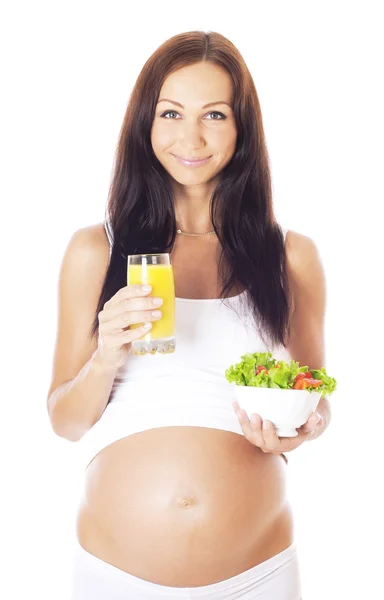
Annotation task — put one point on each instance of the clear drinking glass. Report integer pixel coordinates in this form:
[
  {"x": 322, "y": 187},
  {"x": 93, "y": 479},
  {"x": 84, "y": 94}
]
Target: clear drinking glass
[{"x": 155, "y": 270}]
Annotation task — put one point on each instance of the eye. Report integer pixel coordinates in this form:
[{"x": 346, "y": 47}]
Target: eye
[
  {"x": 214, "y": 112},
  {"x": 167, "y": 112}
]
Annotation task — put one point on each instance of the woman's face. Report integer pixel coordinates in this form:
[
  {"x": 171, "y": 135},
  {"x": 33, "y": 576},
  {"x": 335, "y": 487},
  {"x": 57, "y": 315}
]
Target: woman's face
[{"x": 194, "y": 130}]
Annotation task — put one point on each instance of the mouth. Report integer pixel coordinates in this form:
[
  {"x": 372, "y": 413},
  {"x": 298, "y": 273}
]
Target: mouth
[{"x": 192, "y": 162}]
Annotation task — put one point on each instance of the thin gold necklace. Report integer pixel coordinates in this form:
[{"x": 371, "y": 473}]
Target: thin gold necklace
[{"x": 195, "y": 234}]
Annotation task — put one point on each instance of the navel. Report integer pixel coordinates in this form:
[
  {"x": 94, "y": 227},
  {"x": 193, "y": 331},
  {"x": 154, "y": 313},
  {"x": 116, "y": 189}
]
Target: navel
[{"x": 187, "y": 501}]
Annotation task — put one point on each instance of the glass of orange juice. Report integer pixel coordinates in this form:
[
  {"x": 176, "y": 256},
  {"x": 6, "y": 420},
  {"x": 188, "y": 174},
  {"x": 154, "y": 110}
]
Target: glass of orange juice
[{"x": 155, "y": 270}]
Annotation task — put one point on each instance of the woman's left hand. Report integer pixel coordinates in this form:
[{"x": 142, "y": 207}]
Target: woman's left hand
[{"x": 264, "y": 436}]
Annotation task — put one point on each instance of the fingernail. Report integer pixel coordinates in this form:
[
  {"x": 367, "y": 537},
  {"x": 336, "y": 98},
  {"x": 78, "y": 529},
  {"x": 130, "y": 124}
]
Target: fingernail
[
  {"x": 254, "y": 418},
  {"x": 265, "y": 424}
]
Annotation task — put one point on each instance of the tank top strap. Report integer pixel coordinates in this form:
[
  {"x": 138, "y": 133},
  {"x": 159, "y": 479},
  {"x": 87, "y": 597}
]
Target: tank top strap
[{"x": 284, "y": 233}]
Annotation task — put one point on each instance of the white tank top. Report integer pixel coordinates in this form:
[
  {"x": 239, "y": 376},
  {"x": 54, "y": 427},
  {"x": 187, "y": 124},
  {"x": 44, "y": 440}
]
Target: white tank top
[{"x": 188, "y": 387}]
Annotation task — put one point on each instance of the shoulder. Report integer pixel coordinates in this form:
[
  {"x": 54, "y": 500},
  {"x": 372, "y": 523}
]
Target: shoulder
[
  {"x": 301, "y": 251},
  {"x": 305, "y": 271},
  {"x": 92, "y": 237},
  {"x": 89, "y": 246}
]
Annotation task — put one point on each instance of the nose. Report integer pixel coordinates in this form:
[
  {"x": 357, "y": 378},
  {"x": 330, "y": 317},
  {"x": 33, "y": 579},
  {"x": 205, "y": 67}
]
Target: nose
[{"x": 191, "y": 136}]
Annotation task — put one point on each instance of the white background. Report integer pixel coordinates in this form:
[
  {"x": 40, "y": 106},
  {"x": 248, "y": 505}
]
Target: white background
[{"x": 67, "y": 71}]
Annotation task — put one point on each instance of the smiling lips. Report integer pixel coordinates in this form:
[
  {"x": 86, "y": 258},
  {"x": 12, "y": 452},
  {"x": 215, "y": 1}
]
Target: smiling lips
[{"x": 190, "y": 162}]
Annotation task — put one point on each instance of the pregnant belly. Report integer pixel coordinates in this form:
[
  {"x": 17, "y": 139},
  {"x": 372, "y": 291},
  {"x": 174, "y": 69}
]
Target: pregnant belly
[{"x": 184, "y": 506}]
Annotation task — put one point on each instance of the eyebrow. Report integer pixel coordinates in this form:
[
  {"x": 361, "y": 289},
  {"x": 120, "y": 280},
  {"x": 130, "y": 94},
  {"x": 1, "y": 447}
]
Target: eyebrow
[{"x": 205, "y": 106}]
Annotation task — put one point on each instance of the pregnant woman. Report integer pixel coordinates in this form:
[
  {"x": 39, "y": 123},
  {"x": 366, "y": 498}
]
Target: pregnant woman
[{"x": 184, "y": 496}]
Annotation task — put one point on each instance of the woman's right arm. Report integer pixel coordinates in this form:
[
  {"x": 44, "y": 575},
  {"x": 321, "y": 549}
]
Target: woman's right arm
[{"x": 84, "y": 369}]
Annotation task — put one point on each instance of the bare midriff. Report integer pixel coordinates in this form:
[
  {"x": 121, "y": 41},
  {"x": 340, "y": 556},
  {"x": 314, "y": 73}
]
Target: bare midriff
[{"x": 184, "y": 506}]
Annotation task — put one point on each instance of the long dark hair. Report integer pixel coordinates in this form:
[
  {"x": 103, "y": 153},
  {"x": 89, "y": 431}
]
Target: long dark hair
[{"x": 140, "y": 209}]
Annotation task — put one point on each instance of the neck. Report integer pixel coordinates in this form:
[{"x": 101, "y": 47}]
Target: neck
[{"x": 192, "y": 207}]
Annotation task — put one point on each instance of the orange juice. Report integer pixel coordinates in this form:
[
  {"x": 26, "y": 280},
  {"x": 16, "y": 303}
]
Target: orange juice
[{"x": 160, "y": 277}]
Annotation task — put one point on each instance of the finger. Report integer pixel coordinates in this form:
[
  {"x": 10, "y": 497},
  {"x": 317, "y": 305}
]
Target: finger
[
  {"x": 128, "y": 305},
  {"x": 129, "y": 291},
  {"x": 313, "y": 422},
  {"x": 133, "y": 334},
  {"x": 136, "y": 317},
  {"x": 122, "y": 321},
  {"x": 291, "y": 443},
  {"x": 303, "y": 437},
  {"x": 255, "y": 426},
  {"x": 115, "y": 341},
  {"x": 251, "y": 432},
  {"x": 241, "y": 415},
  {"x": 271, "y": 439}
]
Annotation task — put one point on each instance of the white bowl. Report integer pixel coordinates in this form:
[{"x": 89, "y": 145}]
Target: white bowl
[{"x": 287, "y": 409}]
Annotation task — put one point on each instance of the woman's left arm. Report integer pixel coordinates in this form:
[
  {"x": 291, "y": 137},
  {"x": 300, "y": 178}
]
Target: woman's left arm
[
  {"x": 305, "y": 345},
  {"x": 308, "y": 289}
]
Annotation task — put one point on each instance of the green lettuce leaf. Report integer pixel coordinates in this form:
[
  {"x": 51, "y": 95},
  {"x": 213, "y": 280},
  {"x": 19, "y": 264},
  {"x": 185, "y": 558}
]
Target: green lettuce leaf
[{"x": 282, "y": 376}]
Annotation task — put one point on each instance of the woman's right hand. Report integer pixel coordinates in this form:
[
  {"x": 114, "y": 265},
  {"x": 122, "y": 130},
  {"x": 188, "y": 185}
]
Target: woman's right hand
[{"x": 129, "y": 306}]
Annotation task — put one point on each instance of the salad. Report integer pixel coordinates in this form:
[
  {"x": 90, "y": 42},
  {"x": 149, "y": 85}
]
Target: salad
[{"x": 262, "y": 370}]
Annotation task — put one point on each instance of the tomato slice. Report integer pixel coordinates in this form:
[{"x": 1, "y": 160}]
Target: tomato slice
[
  {"x": 261, "y": 368},
  {"x": 299, "y": 384},
  {"x": 304, "y": 382},
  {"x": 313, "y": 382},
  {"x": 300, "y": 376}
]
